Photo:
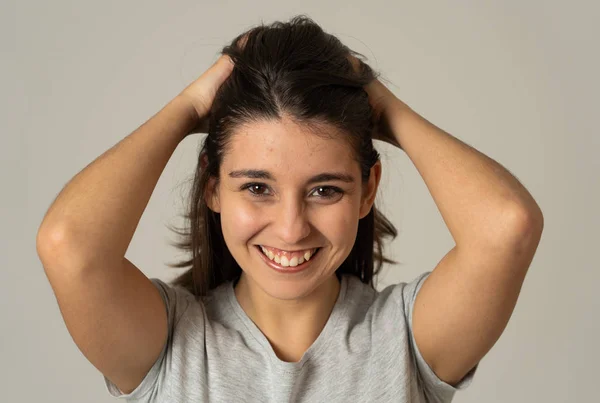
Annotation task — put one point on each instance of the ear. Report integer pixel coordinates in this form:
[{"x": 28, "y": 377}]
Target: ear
[
  {"x": 211, "y": 195},
  {"x": 368, "y": 196}
]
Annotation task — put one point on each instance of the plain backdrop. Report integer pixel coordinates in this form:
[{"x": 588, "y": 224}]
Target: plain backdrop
[{"x": 518, "y": 80}]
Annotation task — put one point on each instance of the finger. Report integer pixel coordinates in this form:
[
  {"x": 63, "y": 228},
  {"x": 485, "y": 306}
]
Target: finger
[
  {"x": 242, "y": 41},
  {"x": 219, "y": 71},
  {"x": 355, "y": 62}
]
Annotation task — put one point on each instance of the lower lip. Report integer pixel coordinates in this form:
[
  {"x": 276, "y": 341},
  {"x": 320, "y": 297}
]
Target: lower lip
[{"x": 289, "y": 269}]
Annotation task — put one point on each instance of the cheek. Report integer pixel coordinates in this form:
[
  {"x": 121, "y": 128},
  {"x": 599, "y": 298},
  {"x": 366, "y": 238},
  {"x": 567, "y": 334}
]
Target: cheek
[
  {"x": 240, "y": 221},
  {"x": 339, "y": 225}
]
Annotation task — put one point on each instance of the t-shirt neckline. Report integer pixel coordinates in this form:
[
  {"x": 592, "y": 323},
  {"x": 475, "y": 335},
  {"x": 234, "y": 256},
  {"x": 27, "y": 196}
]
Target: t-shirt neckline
[{"x": 338, "y": 311}]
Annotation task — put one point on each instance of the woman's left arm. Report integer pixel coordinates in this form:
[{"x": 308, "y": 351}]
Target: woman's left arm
[{"x": 465, "y": 304}]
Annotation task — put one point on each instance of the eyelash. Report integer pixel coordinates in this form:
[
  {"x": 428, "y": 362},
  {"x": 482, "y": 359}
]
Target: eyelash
[{"x": 336, "y": 190}]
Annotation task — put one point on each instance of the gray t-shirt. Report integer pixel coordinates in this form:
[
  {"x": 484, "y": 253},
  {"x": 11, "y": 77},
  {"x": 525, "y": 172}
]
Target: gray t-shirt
[{"x": 365, "y": 353}]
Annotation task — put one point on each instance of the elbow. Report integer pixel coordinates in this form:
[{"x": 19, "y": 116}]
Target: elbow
[
  {"x": 54, "y": 247},
  {"x": 523, "y": 228},
  {"x": 527, "y": 222}
]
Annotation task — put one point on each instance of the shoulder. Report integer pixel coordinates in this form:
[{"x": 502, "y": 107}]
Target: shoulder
[
  {"x": 179, "y": 302},
  {"x": 394, "y": 296}
]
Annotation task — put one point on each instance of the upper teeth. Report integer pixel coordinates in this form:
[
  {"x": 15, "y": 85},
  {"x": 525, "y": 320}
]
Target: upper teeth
[{"x": 284, "y": 261}]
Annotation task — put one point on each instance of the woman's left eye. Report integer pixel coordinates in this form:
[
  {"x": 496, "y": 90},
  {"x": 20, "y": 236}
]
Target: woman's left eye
[{"x": 328, "y": 192}]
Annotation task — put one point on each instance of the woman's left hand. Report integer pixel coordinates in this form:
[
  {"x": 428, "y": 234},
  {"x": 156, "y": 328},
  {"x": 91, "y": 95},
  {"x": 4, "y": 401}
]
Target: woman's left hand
[{"x": 384, "y": 104}]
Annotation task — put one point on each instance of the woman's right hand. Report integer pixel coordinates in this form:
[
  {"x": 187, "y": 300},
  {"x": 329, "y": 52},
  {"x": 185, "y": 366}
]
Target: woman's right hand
[{"x": 201, "y": 93}]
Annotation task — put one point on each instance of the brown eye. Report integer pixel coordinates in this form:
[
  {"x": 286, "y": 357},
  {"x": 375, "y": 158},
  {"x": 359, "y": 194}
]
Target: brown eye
[
  {"x": 328, "y": 192},
  {"x": 256, "y": 189}
]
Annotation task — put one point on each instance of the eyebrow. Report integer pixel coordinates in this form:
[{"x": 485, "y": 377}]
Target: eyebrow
[{"x": 262, "y": 174}]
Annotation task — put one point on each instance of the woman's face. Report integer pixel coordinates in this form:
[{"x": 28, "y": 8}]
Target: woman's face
[{"x": 279, "y": 207}]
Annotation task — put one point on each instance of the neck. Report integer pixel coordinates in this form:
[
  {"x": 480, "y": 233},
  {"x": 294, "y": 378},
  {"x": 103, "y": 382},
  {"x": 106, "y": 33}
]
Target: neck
[{"x": 300, "y": 320}]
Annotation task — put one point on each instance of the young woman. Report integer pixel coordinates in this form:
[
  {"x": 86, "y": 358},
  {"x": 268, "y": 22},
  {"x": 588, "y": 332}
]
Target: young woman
[{"x": 278, "y": 303}]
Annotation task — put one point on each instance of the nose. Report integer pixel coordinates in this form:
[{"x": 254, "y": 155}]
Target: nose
[{"x": 291, "y": 222}]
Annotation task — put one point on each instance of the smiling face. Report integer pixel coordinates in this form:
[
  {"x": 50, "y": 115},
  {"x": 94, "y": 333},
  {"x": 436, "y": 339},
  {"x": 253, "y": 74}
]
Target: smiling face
[{"x": 286, "y": 189}]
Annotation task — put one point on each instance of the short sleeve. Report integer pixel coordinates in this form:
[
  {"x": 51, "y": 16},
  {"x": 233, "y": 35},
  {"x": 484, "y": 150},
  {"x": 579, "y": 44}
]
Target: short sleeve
[
  {"x": 437, "y": 389},
  {"x": 177, "y": 300}
]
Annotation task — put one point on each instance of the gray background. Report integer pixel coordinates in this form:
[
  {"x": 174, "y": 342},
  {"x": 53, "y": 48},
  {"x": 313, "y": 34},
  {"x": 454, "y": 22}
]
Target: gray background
[{"x": 516, "y": 80}]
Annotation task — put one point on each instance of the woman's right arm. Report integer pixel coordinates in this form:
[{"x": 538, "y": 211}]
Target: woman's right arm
[{"x": 113, "y": 312}]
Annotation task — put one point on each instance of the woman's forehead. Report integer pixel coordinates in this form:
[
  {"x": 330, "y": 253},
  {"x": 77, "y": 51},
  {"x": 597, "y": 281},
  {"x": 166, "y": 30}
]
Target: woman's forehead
[{"x": 283, "y": 144}]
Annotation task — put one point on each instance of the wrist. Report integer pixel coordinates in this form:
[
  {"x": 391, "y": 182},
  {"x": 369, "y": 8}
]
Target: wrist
[
  {"x": 187, "y": 112},
  {"x": 399, "y": 114}
]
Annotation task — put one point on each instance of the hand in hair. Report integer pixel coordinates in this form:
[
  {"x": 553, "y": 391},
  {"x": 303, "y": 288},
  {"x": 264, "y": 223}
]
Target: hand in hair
[
  {"x": 384, "y": 104},
  {"x": 201, "y": 93}
]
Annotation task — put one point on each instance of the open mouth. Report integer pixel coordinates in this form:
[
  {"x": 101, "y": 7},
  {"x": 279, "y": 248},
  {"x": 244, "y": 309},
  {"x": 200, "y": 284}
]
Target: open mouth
[{"x": 288, "y": 265}]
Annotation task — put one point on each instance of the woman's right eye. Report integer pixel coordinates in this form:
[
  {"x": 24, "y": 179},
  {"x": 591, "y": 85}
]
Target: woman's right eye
[{"x": 257, "y": 189}]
